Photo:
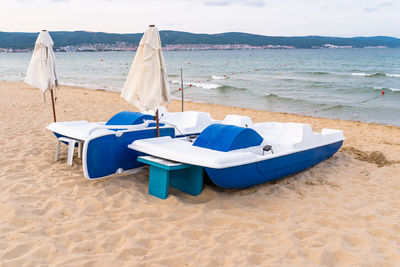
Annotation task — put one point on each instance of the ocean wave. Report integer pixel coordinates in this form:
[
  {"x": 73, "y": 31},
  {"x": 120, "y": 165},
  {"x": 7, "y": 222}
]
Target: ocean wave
[
  {"x": 224, "y": 88},
  {"x": 303, "y": 106},
  {"x": 280, "y": 78},
  {"x": 316, "y": 72},
  {"x": 270, "y": 95},
  {"x": 92, "y": 87},
  {"x": 363, "y": 74},
  {"x": 359, "y": 74},
  {"x": 200, "y": 85},
  {"x": 275, "y": 97},
  {"x": 207, "y": 85},
  {"x": 218, "y": 77},
  {"x": 369, "y": 99},
  {"x": 387, "y": 88},
  {"x": 376, "y": 74},
  {"x": 336, "y": 107}
]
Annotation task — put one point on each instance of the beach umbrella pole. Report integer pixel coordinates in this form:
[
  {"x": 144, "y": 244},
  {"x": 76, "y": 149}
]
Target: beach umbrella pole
[
  {"x": 52, "y": 103},
  {"x": 182, "y": 88},
  {"x": 51, "y": 90},
  {"x": 157, "y": 124}
]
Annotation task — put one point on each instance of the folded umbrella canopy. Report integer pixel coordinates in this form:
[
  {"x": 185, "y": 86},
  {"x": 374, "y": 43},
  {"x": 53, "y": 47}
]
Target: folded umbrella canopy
[
  {"x": 41, "y": 71},
  {"x": 146, "y": 86}
]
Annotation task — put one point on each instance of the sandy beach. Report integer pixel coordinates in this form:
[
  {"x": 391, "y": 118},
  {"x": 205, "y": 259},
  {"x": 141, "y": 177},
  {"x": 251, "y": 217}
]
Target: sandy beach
[{"x": 342, "y": 212}]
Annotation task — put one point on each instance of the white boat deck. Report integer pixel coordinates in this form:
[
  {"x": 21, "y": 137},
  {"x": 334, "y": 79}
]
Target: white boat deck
[{"x": 285, "y": 138}]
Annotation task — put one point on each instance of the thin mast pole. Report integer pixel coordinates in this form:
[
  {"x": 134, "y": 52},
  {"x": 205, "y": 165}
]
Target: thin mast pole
[{"x": 182, "y": 88}]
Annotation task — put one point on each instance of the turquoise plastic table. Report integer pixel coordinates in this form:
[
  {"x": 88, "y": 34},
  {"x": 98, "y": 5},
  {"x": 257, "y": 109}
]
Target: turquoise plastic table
[{"x": 163, "y": 173}]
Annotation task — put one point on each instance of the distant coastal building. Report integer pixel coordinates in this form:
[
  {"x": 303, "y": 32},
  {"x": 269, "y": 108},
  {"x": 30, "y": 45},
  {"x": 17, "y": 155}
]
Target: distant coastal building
[
  {"x": 13, "y": 50},
  {"x": 70, "y": 48},
  {"x": 188, "y": 47},
  {"x": 124, "y": 46},
  {"x": 118, "y": 46},
  {"x": 336, "y": 46}
]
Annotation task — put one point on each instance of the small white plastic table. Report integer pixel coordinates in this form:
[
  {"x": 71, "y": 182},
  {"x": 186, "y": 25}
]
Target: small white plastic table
[{"x": 71, "y": 145}]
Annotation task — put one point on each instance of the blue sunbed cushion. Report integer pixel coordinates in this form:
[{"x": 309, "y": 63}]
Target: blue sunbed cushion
[
  {"x": 225, "y": 138},
  {"x": 128, "y": 118}
]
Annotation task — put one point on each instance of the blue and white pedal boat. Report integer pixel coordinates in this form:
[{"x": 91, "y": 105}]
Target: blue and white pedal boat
[
  {"x": 246, "y": 154},
  {"x": 105, "y": 150}
]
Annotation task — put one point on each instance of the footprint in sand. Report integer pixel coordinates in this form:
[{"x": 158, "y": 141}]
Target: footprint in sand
[
  {"x": 132, "y": 253},
  {"x": 195, "y": 234},
  {"x": 16, "y": 252}
]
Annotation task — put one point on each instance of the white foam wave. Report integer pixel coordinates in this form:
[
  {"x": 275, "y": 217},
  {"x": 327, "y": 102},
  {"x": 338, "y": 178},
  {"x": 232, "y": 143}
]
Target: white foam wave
[
  {"x": 391, "y": 89},
  {"x": 375, "y": 74},
  {"x": 200, "y": 85},
  {"x": 218, "y": 77},
  {"x": 208, "y": 85}
]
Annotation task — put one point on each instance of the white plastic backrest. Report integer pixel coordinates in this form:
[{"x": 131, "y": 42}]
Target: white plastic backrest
[
  {"x": 309, "y": 138},
  {"x": 242, "y": 121},
  {"x": 271, "y": 129},
  {"x": 298, "y": 134},
  {"x": 204, "y": 120},
  {"x": 198, "y": 120},
  {"x": 175, "y": 117},
  {"x": 194, "y": 120},
  {"x": 190, "y": 119}
]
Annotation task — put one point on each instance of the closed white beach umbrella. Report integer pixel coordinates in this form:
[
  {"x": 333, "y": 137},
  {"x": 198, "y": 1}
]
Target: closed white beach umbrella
[
  {"x": 146, "y": 86},
  {"x": 41, "y": 71}
]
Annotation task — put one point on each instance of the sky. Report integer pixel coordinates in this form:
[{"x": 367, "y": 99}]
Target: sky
[{"x": 344, "y": 18}]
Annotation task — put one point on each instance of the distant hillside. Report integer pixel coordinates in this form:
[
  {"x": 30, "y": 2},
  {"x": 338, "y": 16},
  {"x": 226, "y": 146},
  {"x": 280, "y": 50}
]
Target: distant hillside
[{"x": 20, "y": 40}]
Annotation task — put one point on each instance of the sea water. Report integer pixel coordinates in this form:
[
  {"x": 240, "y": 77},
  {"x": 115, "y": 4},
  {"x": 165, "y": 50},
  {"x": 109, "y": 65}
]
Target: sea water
[{"x": 335, "y": 83}]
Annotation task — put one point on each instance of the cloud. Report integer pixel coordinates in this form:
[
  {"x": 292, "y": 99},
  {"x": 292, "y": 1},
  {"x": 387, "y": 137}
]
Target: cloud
[
  {"x": 254, "y": 3},
  {"x": 378, "y": 7},
  {"x": 369, "y": 9},
  {"x": 386, "y": 4}
]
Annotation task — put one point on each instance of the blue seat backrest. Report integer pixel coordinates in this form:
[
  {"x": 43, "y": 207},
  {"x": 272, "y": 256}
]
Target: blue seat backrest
[
  {"x": 225, "y": 138},
  {"x": 128, "y": 118}
]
